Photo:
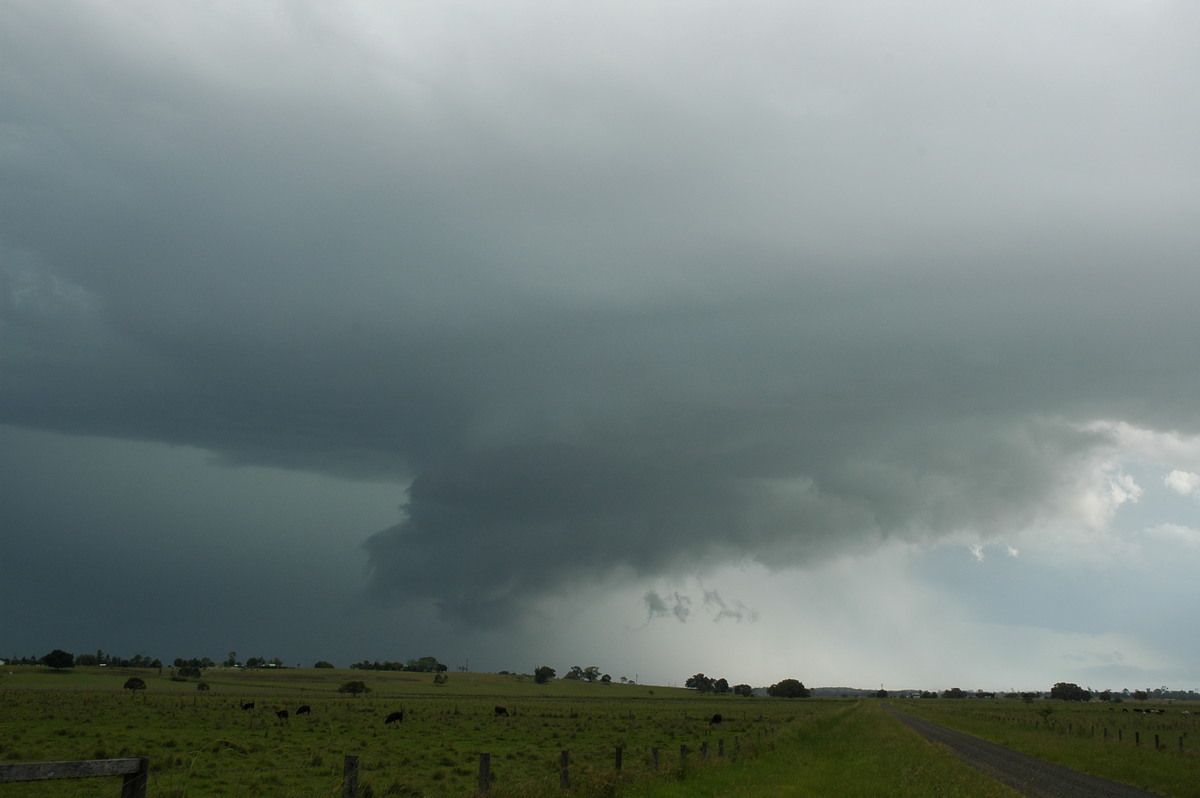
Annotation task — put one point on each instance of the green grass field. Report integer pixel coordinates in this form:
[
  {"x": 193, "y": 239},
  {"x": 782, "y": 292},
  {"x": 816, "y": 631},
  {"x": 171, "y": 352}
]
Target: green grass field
[
  {"x": 1114, "y": 741},
  {"x": 201, "y": 743}
]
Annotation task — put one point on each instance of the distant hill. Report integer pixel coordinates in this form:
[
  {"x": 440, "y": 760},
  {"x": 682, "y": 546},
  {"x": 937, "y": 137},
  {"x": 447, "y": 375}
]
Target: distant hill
[{"x": 851, "y": 692}]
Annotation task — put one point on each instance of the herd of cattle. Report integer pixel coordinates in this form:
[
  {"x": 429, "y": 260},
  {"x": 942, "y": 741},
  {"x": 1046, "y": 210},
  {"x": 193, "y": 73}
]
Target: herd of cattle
[{"x": 394, "y": 717}]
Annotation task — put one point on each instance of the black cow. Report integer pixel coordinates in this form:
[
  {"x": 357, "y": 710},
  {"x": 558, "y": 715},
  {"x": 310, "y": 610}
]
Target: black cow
[
  {"x": 715, "y": 720},
  {"x": 304, "y": 710},
  {"x": 501, "y": 711},
  {"x": 395, "y": 717},
  {"x": 248, "y": 705},
  {"x": 282, "y": 714}
]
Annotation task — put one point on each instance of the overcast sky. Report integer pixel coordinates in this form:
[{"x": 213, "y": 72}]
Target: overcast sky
[{"x": 853, "y": 342}]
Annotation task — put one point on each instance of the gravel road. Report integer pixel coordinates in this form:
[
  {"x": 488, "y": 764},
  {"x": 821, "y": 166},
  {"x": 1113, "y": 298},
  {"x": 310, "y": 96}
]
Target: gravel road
[{"x": 1020, "y": 771}]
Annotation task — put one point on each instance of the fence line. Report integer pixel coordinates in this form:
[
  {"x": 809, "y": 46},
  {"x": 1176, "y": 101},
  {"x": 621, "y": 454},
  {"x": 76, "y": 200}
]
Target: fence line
[{"x": 135, "y": 770}]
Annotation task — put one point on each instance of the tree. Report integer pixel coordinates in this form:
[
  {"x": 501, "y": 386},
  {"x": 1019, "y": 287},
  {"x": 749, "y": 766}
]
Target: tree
[
  {"x": 354, "y": 688},
  {"x": 133, "y": 684},
  {"x": 744, "y": 690},
  {"x": 543, "y": 674},
  {"x": 721, "y": 686},
  {"x": 955, "y": 692},
  {"x": 323, "y": 664},
  {"x": 1069, "y": 691},
  {"x": 425, "y": 665},
  {"x": 189, "y": 672},
  {"x": 576, "y": 673},
  {"x": 59, "y": 659},
  {"x": 788, "y": 688},
  {"x": 700, "y": 683},
  {"x": 591, "y": 673}
]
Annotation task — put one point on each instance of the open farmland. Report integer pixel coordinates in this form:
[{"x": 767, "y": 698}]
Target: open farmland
[
  {"x": 1122, "y": 742},
  {"x": 201, "y": 743}
]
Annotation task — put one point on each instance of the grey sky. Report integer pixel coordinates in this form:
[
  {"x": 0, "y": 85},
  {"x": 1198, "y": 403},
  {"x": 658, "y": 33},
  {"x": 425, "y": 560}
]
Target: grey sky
[{"x": 639, "y": 315}]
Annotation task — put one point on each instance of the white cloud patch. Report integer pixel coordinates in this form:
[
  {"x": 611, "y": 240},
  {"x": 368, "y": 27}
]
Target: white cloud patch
[{"x": 1184, "y": 483}]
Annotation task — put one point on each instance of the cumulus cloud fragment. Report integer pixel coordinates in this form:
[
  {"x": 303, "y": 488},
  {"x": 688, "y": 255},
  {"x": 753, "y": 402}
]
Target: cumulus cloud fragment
[{"x": 1184, "y": 483}]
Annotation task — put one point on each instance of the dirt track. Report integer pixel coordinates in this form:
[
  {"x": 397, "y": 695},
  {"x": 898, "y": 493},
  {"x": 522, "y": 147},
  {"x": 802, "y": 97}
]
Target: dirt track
[{"x": 1020, "y": 771}]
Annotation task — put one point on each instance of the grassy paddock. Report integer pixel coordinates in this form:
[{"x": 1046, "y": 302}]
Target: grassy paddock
[
  {"x": 857, "y": 750},
  {"x": 1095, "y": 738},
  {"x": 201, "y": 743}
]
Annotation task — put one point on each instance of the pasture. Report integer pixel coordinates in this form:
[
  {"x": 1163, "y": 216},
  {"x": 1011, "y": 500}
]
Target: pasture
[
  {"x": 1157, "y": 752},
  {"x": 202, "y": 743}
]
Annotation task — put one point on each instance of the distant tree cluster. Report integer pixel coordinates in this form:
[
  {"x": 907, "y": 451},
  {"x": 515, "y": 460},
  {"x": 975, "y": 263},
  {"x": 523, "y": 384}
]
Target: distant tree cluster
[
  {"x": 60, "y": 660},
  {"x": 707, "y": 684},
  {"x": 589, "y": 674},
  {"x": 1069, "y": 691},
  {"x": 543, "y": 674},
  {"x": 422, "y": 665},
  {"x": 788, "y": 688}
]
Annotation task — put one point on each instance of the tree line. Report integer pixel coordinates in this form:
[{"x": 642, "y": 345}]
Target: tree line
[{"x": 420, "y": 665}]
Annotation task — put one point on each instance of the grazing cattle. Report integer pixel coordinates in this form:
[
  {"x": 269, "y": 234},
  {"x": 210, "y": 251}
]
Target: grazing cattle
[
  {"x": 715, "y": 720},
  {"x": 248, "y": 705},
  {"x": 304, "y": 710},
  {"x": 282, "y": 714},
  {"x": 395, "y": 717},
  {"x": 501, "y": 711}
]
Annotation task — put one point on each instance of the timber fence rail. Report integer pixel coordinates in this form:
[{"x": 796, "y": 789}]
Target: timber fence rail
[{"x": 133, "y": 770}]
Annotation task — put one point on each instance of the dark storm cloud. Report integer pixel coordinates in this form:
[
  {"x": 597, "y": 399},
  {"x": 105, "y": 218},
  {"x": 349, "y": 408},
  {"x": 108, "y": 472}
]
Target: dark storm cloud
[{"x": 617, "y": 303}]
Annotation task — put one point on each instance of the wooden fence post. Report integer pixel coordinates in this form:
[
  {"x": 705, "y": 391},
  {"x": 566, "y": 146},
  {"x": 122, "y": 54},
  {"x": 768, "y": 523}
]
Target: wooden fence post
[
  {"x": 618, "y": 762},
  {"x": 704, "y": 750},
  {"x": 564, "y": 773},
  {"x": 721, "y": 748},
  {"x": 485, "y": 773},
  {"x": 654, "y": 758},
  {"x": 134, "y": 785},
  {"x": 350, "y": 776}
]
